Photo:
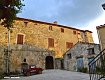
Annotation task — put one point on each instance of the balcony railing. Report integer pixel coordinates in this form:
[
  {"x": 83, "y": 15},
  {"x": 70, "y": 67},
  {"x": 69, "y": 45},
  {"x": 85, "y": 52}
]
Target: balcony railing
[{"x": 97, "y": 67}]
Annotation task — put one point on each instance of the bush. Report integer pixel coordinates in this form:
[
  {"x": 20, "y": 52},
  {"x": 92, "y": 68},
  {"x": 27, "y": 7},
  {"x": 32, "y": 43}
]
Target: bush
[
  {"x": 84, "y": 70},
  {"x": 100, "y": 70},
  {"x": 1, "y": 75},
  {"x": 15, "y": 72}
]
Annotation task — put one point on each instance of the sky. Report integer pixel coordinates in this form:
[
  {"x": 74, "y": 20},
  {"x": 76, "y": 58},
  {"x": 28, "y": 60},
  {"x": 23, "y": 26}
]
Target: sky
[{"x": 81, "y": 14}]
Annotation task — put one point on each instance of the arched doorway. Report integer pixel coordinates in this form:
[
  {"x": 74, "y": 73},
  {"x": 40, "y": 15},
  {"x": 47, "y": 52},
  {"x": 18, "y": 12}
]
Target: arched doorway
[{"x": 49, "y": 62}]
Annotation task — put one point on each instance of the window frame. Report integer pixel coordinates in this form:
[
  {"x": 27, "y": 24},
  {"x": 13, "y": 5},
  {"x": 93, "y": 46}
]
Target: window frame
[
  {"x": 22, "y": 41},
  {"x": 50, "y": 28},
  {"x": 62, "y": 30},
  {"x": 74, "y": 32},
  {"x": 69, "y": 45},
  {"x": 91, "y": 51},
  {"x": 69, "y": 56},
  {"x": 25, "y": 23},
  {"x": 50, "y": 42}
]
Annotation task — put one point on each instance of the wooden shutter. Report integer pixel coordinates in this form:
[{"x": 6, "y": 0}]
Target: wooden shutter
[
  {"x": 74, "y": 32},
  {"x": 50, "y": 42},
  {"x": 50, "y": 27},
  {"x": 69, "y": 45},
  {"x": 62, "y": 30},
  {"x": 20, "y": 39}
]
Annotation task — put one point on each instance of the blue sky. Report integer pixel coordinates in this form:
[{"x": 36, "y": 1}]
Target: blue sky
[{"x": 82, "y": 14}]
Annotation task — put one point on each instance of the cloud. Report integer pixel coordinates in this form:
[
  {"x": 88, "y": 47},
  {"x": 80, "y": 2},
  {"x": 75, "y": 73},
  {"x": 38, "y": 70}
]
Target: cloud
[
  {"x": 93, "y": 24},
  {"x": 83, "y": 14},
  {"x": 67, "y": 12},
  {"x": 80, "y": 13}
]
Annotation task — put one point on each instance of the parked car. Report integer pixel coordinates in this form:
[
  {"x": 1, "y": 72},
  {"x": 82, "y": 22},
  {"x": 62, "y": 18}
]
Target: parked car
[{"x": 28, "y": 70}]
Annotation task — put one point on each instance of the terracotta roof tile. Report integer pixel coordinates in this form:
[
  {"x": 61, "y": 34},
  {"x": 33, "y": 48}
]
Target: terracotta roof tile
[{"x": 53, "y": 24}]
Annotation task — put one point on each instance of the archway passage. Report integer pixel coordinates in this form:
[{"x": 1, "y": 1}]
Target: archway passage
[{"x": 49, "y": 62}]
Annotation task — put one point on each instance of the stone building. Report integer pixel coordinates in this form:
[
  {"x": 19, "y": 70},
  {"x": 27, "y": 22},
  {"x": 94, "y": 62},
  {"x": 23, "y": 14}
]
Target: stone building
[
  {"x": 46, "y": 35},
  {"x": 80, "y": 55},
  {"x": 101, "y": 35},
  {"x": 33, "y": 55},
  {"x": 52, "y": 39}
]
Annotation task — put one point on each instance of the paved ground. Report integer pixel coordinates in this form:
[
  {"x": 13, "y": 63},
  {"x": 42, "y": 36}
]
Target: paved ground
[{"x": 56, "y": 75}]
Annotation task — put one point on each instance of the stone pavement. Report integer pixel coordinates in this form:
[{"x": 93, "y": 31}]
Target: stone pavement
[{"x": 55, "y": 75}]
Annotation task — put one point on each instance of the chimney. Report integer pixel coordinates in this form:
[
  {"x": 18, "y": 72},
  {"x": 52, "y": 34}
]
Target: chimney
[{"x": 55, "y": 22}]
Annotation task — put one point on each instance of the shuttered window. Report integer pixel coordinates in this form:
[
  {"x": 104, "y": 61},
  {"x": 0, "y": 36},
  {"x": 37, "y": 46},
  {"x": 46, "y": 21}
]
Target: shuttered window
[
  {"x": 69, "y": 45},
  {"x": 74, "y": 32},
  {"x": 62, "y": 30},
  {"x": 50, "y": 42},
  {"x": 91, "y": 51},
  {"x": 25, "y": 23},
  {"x": 20, "y": 39},
  {"x": 50, "y": 28}
]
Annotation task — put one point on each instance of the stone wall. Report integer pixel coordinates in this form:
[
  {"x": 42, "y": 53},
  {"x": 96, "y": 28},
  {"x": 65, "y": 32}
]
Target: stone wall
[
  {"x": 79, "y": 50},
  {"x": 101, "y": 36},
  {"x": 37, "y": 33},
  {"x": 32, "y": 54},
  {"x": 59, "y": 63}
]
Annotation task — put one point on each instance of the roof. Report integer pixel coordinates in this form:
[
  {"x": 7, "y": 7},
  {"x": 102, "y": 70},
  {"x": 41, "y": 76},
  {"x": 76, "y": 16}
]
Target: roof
[
  {"x": 88, "y": 43},
  {"x": 80, "y": 43},
  {"x": 101, "y": 26},
  {"x": 30, "y": 20}
]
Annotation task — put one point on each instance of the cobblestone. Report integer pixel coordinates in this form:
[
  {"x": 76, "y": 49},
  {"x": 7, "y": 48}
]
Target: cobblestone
[{"x": 55, "y": 75}]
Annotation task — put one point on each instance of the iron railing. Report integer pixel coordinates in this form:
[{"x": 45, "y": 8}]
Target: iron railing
[{"x": 97, "y": 67}]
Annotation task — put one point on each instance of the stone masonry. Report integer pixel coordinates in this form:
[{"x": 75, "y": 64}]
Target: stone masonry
[
  {"x": 37, "y": 33},
  {"x": 79, "y": 50},
  {"x": 32, "y": 54},
  {"x": 101, "y": 35}
]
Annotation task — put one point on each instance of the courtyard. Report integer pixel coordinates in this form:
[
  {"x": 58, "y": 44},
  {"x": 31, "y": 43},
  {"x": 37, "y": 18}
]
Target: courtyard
[{"x": 55, "y": 75}]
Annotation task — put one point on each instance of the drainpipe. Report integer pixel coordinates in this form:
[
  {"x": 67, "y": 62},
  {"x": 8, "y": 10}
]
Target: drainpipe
[{"x": 8, "y": 54}]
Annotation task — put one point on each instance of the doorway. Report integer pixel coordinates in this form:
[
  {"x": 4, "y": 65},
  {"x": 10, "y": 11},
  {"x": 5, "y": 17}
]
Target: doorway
[{"x": 49, "y": 62}]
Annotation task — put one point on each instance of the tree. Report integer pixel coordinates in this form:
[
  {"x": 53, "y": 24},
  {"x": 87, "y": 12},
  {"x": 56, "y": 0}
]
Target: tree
[{"x": 8, "y": 11}]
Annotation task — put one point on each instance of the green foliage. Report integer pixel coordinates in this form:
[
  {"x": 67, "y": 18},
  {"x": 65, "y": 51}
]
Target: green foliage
[
  {"x": 8, "y": 11},
  {"x": 1, "y": 75},
  {"x": 15, "y": 73},
  {"x": 84, "y": 70},
  {"x": 100, "y": 70}
]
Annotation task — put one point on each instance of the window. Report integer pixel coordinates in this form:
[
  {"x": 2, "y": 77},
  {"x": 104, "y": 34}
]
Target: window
[
  {"x": 74, "y": 32},
  {"x": 25, "y": 23},
  {"x": 50, "y": 42},
  {"x": 69, "y": 45},
  {"x": 91, "y": 51},
  {"x": 78, "y": 33},
  {"x": 24, "y": 60},
  {"x": 62, "y": 30},
  {"x": 20, "y": 39},
  {"x": 69, "y": 56},
  {"x": 50, "y": 27}
]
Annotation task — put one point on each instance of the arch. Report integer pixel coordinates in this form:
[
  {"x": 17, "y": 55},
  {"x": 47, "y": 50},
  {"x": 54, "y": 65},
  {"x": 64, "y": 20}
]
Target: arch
[{"x": 49, "y": 64}]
